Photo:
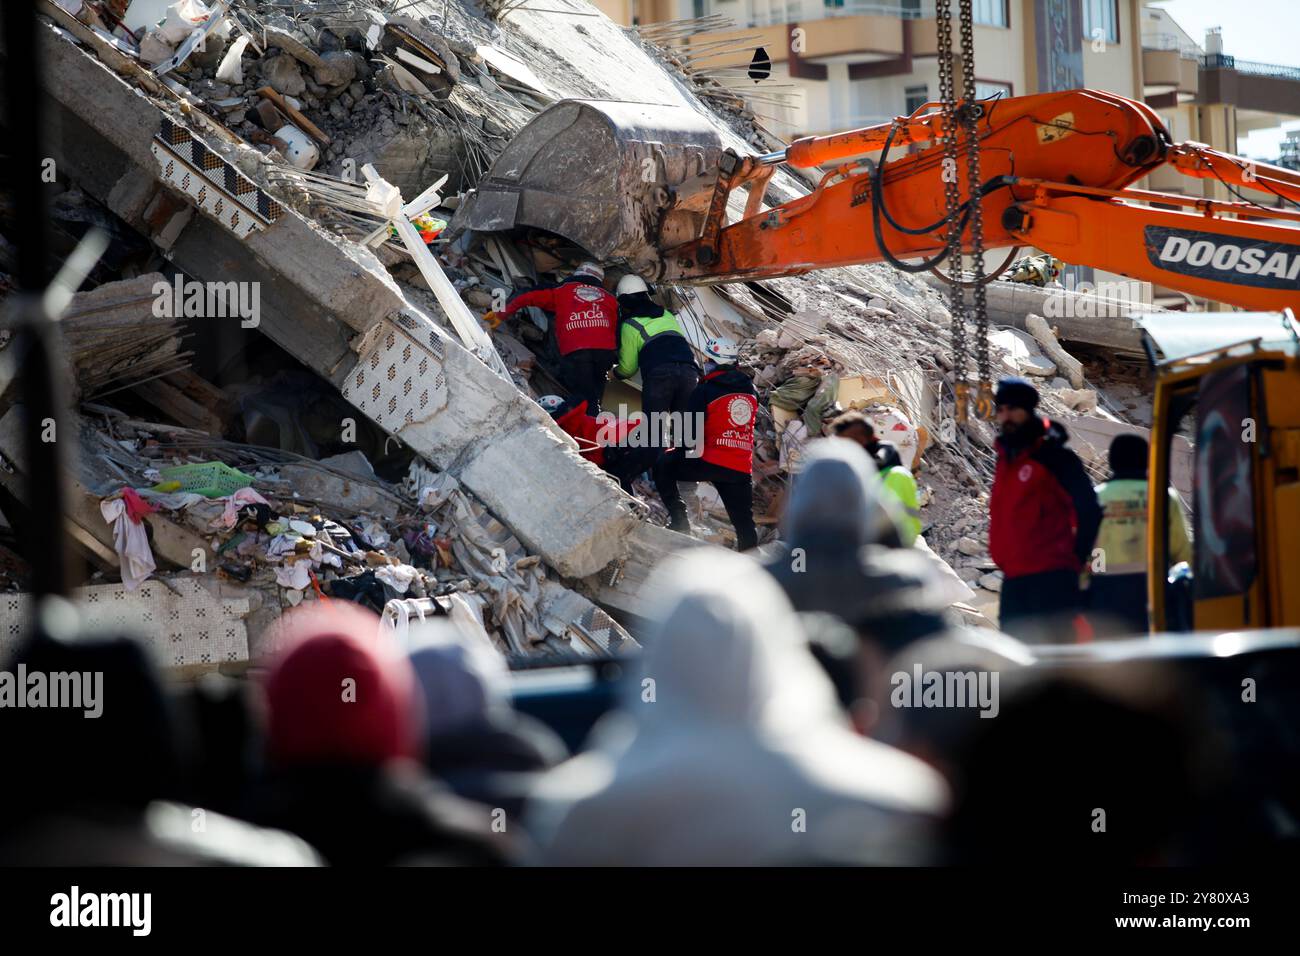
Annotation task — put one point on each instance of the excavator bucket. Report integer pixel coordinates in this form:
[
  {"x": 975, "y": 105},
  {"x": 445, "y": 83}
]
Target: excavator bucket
[{"x": 621, "y": 180}]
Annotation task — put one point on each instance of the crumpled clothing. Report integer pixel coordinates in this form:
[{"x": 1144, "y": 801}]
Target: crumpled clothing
[
  {"x": 136, "y": 507},
  {"x": 794, "y": 393},
  {"x": 296, "y": 575},
  {"x": 364, "y": 589},
  {"x": 420, "y": 543},
  {"x": 134, "y": 556},
  {"x": 259, "y": 513},
  {"x": 437, "y": 491},
  {"x": 396, "y": 576},
  {"x": 465, "y": 612},
  {"x": 236, "y": 502},
  {"x": 375, "y": 534},
  {"x": 281, "y": 545},
  {"x": 169, "y": 500},
  {"x": 809, "y": 395},
  {"x": 822, "y": 399}
]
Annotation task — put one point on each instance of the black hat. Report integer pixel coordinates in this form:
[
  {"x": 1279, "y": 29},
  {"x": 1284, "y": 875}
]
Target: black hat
[
  {"x": 1128, "y": 454},
  {"x": 1016, "y": 392}
]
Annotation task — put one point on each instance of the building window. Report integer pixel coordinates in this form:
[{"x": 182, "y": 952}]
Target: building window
[
  {"x": 914, "y": 98},
  {"x": 984, "y": 89},
  {"x": 1101, "y": 20},
  {"x": 990, "y": 13}
]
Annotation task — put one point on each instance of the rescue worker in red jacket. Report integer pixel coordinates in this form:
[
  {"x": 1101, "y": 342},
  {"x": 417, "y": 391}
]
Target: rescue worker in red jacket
[
  {"x": 602, "y": 441},
  {"x": 726, "y": 404},
  {"x": 586, "y": 321},
  {"x": 1043, "y": 517}
]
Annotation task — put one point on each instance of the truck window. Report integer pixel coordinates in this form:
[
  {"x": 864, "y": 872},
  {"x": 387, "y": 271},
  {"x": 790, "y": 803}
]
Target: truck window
[{"x": 1223, "y": 490}]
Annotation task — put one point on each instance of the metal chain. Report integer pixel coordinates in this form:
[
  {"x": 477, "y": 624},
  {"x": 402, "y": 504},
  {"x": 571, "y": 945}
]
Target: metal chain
[
  {"x": 952, "y": 199},
  {"x": 970, "y": 117}
]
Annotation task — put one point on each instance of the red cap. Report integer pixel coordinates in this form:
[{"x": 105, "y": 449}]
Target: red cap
[{"x": 339, "y": 692}]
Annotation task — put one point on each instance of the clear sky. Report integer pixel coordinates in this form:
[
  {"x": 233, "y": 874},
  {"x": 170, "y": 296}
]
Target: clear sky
[{"x": 1267, "y": 31}]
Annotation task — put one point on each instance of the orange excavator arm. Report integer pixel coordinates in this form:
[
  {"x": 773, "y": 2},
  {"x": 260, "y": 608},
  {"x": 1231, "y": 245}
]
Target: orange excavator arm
[{"x": 1059, "y": 169}]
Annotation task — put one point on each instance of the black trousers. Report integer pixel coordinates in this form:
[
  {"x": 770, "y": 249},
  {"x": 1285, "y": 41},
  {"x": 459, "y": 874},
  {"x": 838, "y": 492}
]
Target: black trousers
[
  {"x": 735, "y": 488},
  {"x": 666, "y": 389},
  {"x": 583, "y": 372},
  {"x": 1117, "y": 604},
  {"x": 1040, "y": 608}
]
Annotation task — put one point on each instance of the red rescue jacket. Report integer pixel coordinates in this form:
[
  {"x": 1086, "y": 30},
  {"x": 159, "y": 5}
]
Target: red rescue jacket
[
  {"x": 593, "y": 434},
  {"x": 1043, "y": 512},
  {"x": 586, "y": 316},
  {"x": 727, "y": 399}
]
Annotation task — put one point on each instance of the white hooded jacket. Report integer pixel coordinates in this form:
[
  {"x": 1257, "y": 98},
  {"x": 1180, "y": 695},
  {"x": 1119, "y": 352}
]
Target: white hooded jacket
[{"x": 731, "y": 749}]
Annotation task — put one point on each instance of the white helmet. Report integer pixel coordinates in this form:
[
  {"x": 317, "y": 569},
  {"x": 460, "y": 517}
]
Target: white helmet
[
  {"x": 630, "y": 285},
  {"x": 591, "y": 270},
  {"x": 550, "y": 403},
  {"x": 722, "y": 350}
]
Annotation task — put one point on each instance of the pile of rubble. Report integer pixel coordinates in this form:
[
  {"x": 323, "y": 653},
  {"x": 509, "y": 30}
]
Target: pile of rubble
[{"x": 301, "y": 98}]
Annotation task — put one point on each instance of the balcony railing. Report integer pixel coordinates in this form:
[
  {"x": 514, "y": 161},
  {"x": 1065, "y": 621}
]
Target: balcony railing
[
  {"x": 1268, "y": 69},
  {"x": 1168, "y": 41},
  {"x": 1221, "y": 61},
  {"x": 794, "y": 12}
]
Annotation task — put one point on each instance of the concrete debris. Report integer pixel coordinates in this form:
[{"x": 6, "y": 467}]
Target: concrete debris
[
  {"x": 1022, "y": 354},
  {"x": 1068, "y": 365},
  {"x": 1079, "y": 399},
  {"x": 284, "y": 75}
]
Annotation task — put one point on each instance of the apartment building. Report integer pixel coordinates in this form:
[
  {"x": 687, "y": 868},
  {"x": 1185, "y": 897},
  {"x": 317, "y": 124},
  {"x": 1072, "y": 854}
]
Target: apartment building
[{"x": 853, "y": 62}]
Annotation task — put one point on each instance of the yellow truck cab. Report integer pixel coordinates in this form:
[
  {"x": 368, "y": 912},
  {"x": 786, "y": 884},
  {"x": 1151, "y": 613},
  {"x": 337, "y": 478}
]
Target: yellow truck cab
[{"x": 1229, "y": 383}]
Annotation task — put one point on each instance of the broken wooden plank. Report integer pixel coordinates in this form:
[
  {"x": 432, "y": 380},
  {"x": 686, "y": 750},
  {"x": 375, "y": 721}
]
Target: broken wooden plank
[
  {"x": 175, "y": 404},
  {"x": 302, "y": 122}
]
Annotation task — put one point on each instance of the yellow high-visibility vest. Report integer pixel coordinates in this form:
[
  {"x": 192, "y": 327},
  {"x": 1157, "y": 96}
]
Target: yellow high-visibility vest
[{"x": 1122, "y": 537}]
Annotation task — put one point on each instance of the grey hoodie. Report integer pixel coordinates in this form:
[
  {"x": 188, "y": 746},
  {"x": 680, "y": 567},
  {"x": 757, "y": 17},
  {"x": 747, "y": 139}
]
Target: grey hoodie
[{"x": 731, "y": 749}]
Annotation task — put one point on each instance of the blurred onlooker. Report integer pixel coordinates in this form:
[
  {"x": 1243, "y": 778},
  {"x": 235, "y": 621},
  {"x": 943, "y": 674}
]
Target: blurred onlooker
[
  {"x": 831, "y": 560},
  {"x": 225, "y": 756},
  {"x": 1117, "y": 588},
  {"x": 97, "y": 790},
  {"x": 962, "y": 658},
  {"x": 731, "y": 750},
  {"x": 343, "y": 738},
  {"x": 475, "y": 742},
  {"x": 1081, "y": 766},
  {"x": 889, "y": 597}
]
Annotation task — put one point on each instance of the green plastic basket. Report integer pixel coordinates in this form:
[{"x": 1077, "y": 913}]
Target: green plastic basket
[{"x": 211, "y": 479}]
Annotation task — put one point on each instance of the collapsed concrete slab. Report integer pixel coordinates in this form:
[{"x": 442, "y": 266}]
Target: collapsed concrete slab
[
  {"x": 330, "y": 303},
  {"x": 1083, "y": 317},
  {"x": 192, "y": 624}
]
